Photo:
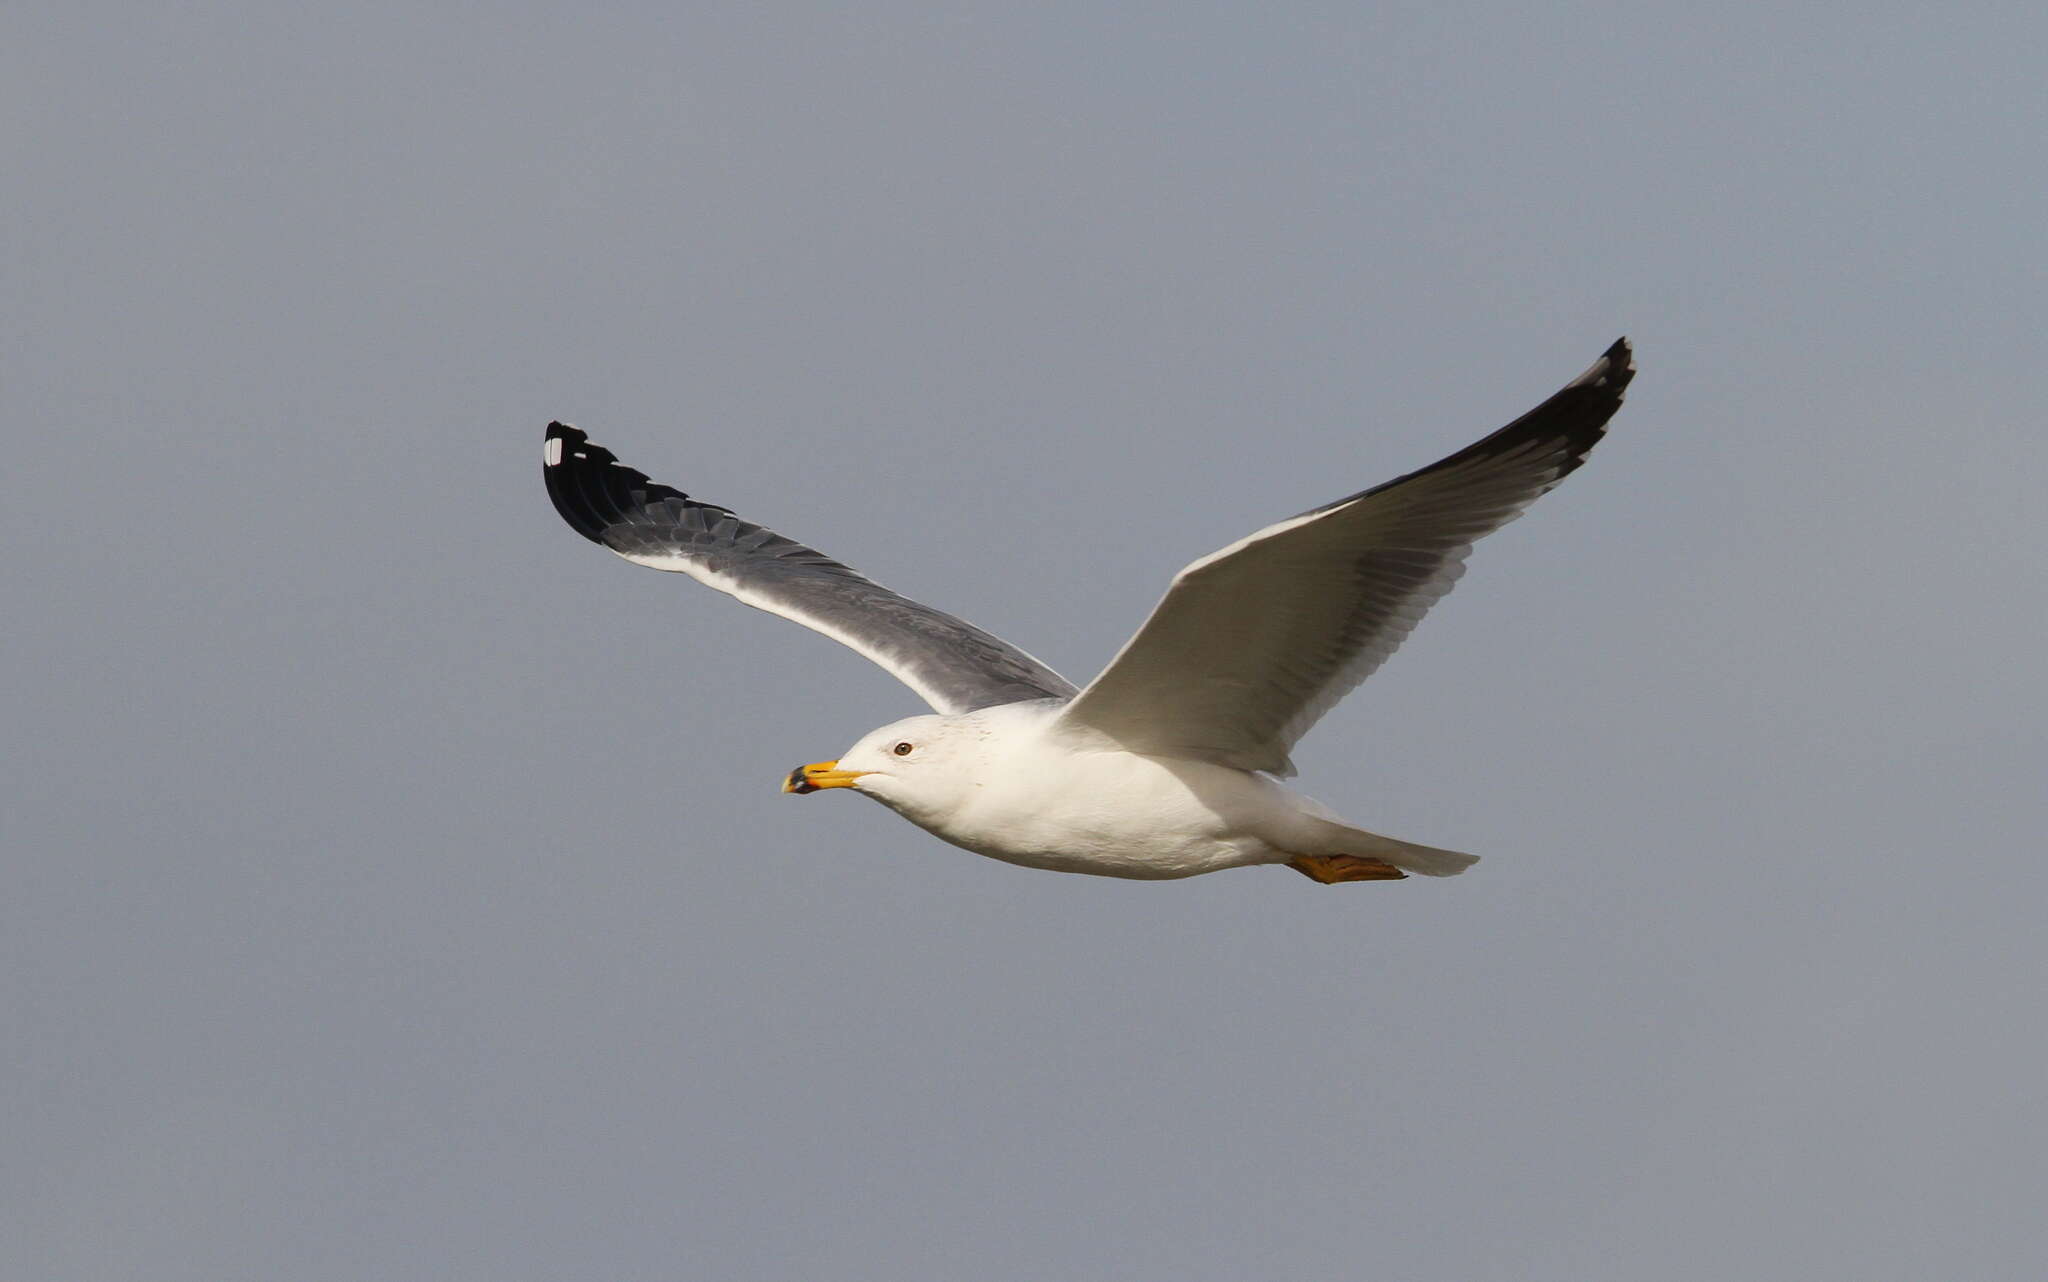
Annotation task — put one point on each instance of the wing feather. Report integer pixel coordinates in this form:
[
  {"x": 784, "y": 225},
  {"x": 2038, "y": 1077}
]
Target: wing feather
[
  {"x": 953, "y": 665},
  {"x": 1254, "y": 643}
]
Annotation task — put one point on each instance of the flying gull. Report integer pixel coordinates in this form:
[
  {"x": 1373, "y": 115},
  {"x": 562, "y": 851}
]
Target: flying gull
[{"x": 1169, "y": 763}]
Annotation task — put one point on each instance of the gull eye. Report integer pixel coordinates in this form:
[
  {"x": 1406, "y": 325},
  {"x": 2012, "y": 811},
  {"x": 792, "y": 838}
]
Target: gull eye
[{"x": 902, "y": 749}]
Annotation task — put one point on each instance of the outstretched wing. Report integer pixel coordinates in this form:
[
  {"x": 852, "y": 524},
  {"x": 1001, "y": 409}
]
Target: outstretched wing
[
  {"x": 1253, "y": 644},
  {"x": 952, "y": 665}
]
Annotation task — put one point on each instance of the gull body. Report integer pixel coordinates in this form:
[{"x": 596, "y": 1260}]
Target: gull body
[
  {"x": 1008, "y": 782},
  {"x": 1169, "y": 763}
]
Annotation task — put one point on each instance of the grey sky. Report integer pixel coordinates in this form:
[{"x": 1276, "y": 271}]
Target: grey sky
[{"x": 397, "y": 886}]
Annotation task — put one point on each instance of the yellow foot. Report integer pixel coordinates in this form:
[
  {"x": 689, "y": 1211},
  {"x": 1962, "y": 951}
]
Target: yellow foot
[{"x": 1330, "y": 869}]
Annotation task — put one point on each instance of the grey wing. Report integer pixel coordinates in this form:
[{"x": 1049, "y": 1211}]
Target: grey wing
[
  {"x": 1253, "y": 644},
  {"x": 952, "y": 665}
]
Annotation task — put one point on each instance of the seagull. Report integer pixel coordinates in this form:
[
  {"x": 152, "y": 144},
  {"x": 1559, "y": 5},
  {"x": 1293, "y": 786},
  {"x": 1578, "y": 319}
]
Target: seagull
[{"x": 1169, "y": 764}]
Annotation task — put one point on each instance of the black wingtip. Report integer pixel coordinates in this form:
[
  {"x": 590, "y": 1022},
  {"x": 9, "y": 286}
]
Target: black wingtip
[
  {"x": 1577, "y": 415},
  {"x": 1622, "y": 357},
  {"x": 1567, "y": 426},
  {"x": 590, "y": 487},
  {"x": 1611, "y": 373}
]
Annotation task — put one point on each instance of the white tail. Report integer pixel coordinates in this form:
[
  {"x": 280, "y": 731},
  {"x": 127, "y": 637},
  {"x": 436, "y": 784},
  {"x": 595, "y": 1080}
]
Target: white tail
[{"x": 1426, "y": 861}]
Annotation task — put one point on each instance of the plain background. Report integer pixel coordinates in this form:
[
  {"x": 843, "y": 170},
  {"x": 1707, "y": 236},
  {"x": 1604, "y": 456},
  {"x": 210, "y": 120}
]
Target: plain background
[{"x": 396, "y": 885}]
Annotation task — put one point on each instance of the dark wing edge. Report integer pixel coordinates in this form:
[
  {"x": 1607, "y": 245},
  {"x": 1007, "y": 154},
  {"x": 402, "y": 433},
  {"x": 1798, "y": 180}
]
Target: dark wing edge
[
  {"x": 593, "y": 490},
  {"x": 1574, "y": 418},
  {"x": 953, "y": 665}
]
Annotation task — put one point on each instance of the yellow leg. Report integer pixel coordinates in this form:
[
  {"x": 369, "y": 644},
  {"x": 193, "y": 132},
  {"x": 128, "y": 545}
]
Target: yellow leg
[{"x": 1331, "y": 869}]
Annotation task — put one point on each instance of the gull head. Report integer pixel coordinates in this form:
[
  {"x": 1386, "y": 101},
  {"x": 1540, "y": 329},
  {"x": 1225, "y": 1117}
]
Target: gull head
[{"x": 919, "y": 766}]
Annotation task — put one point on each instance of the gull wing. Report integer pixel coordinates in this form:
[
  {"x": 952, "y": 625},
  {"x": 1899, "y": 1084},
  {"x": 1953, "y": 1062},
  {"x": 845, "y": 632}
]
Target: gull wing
[
  {"x": 953, "y": 666},
  {"x": 1253, "y": 644}
]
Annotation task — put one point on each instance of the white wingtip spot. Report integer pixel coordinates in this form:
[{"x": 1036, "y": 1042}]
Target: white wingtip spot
[
  {"x": 1597, "y": 375},
  {"x": 551, "y": 453}
]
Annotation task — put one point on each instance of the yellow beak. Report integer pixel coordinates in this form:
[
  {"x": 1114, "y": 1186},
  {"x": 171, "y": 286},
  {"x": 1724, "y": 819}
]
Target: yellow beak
[{"x": 822, "y": 774}]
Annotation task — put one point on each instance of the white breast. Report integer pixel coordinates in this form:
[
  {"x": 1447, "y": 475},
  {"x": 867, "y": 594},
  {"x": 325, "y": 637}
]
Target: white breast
[{"x": 1114, "y": 813}]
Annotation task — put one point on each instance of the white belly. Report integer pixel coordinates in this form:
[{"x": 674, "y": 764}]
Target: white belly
[{"x": 1119, "y": 815}]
